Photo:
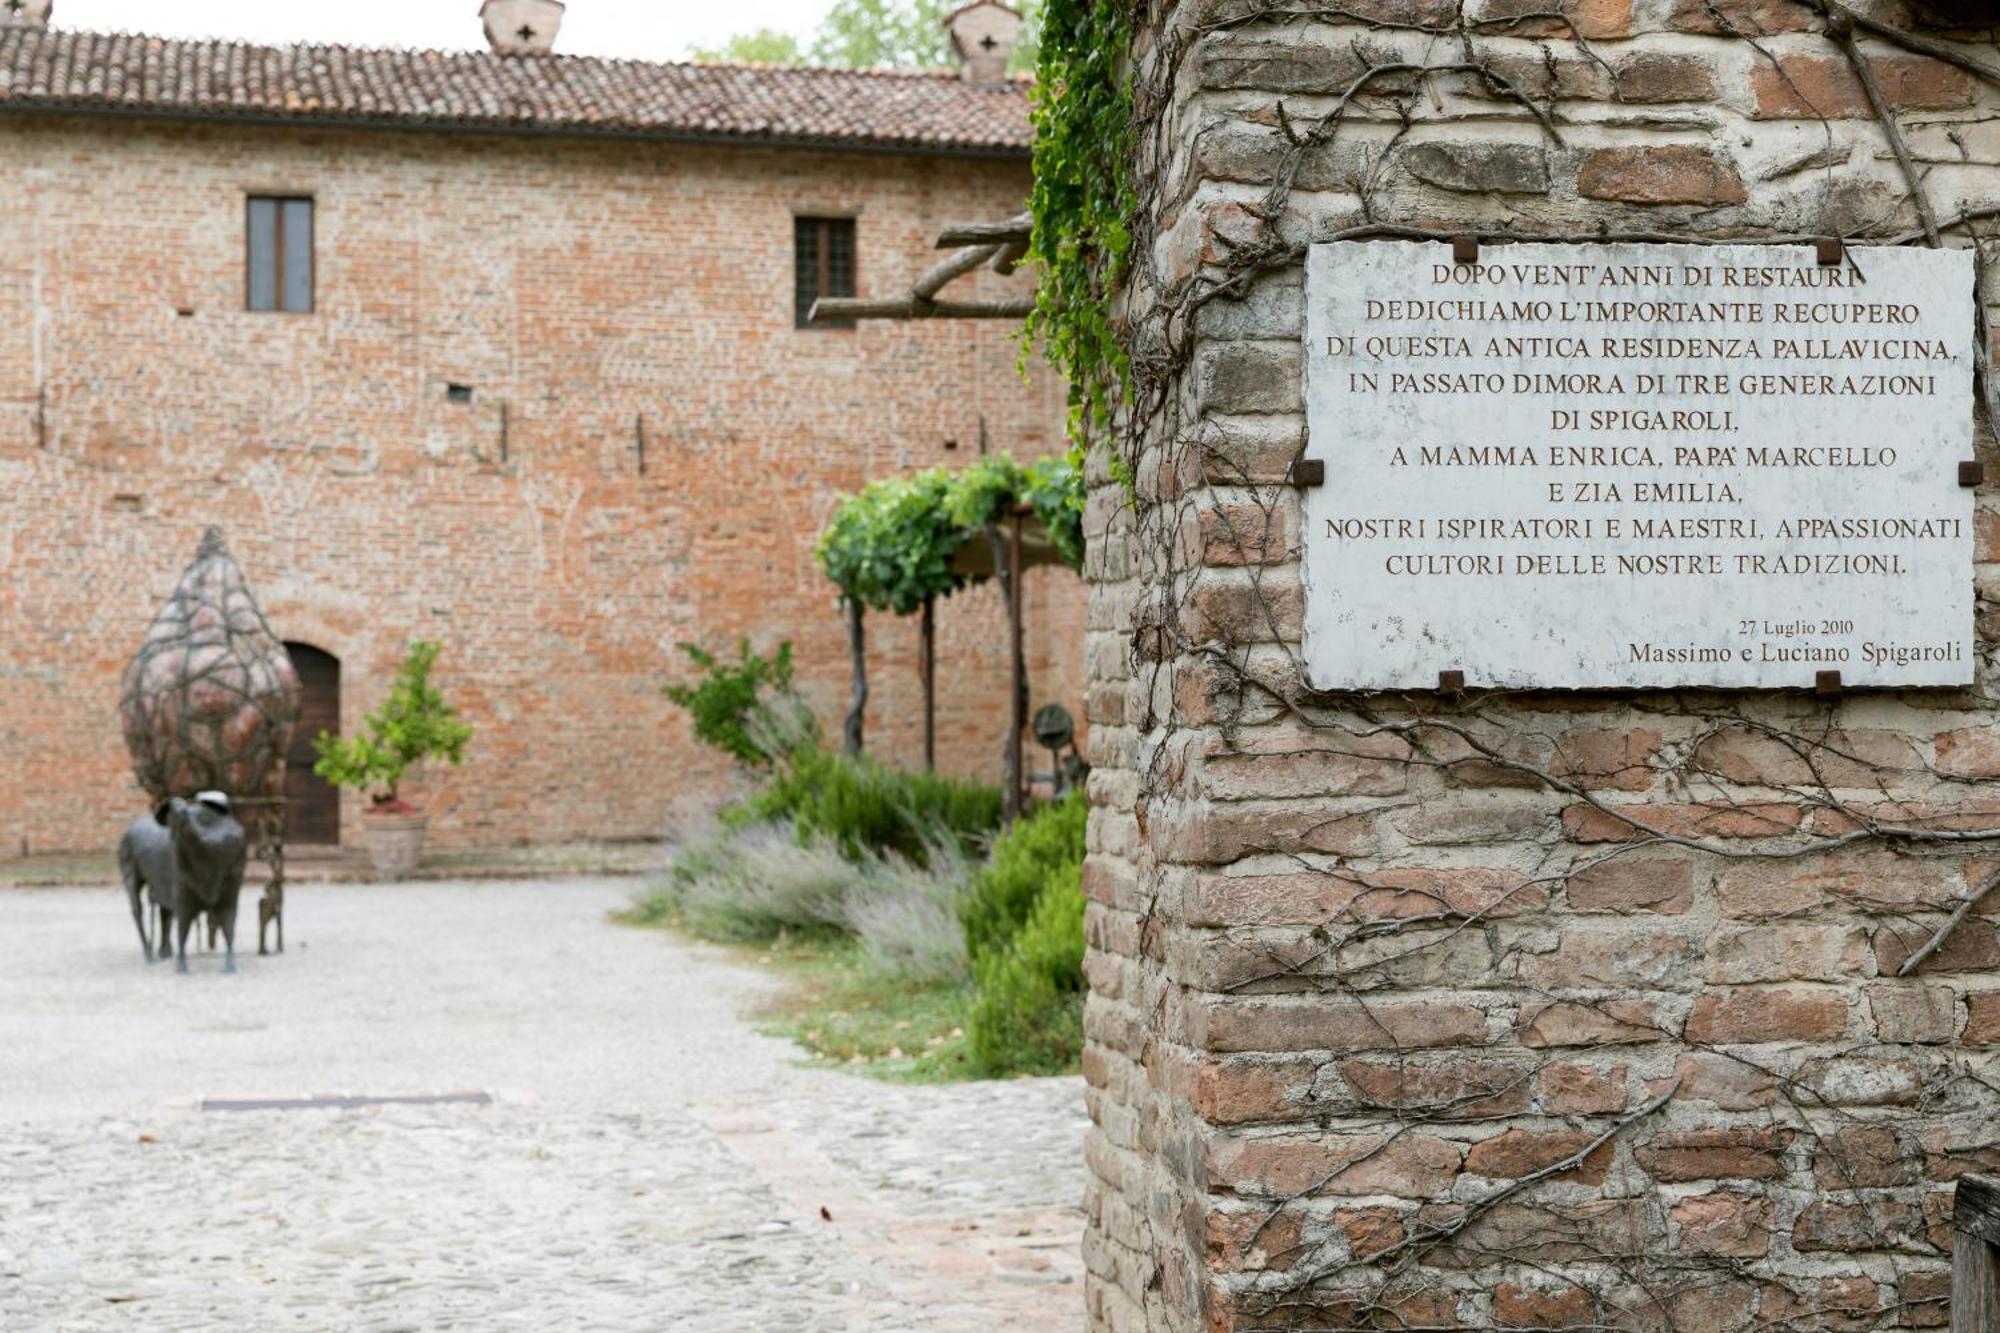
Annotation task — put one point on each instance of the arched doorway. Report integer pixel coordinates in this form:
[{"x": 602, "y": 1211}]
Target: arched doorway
[{"x": 312, "y": 804}]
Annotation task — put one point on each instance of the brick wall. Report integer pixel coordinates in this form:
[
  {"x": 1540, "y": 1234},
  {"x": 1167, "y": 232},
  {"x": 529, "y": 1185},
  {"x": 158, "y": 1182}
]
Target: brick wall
[
  {"x": 1362, "y": 966},
  {"x": 574, "y": 285}
]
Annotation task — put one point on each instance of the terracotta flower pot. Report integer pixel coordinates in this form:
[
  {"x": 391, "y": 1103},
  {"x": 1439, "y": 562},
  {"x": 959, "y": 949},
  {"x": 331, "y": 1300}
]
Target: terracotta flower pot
[{"x": 395, "y": 842}]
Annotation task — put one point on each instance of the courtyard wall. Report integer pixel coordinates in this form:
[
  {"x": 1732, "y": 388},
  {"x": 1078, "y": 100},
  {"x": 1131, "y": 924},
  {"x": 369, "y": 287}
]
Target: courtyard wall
[{"x": 575, "y": 286}]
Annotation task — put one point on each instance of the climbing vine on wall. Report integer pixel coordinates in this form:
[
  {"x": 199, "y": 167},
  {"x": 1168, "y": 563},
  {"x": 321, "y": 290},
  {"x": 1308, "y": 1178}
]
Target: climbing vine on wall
[{"x": 1083, "y": 201}]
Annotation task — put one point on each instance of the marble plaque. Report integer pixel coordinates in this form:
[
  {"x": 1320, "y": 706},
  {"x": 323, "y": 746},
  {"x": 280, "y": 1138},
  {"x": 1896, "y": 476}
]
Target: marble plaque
[{"x": 1624, "y": 465}]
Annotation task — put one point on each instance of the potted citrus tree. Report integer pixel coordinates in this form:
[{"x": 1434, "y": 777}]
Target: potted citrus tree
[{"x": 414, "y": 724}]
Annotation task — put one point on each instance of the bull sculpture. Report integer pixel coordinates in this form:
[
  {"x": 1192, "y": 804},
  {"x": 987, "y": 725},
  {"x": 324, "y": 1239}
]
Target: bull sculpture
[{"x": 191, "y": 861}]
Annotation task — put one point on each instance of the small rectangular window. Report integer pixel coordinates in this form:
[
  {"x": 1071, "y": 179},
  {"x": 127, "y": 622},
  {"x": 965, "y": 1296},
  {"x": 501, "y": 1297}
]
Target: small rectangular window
[
  {"x": 823, "y": 251},
  {"x": 280, "y": 236}
]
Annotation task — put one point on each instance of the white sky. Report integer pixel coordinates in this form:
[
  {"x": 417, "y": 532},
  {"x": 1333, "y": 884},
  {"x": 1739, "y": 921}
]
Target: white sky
[{"x": 640, "y": 29}]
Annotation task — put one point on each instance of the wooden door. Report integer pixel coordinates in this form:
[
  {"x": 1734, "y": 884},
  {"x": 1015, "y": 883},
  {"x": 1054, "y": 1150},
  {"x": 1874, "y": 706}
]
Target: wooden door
[{"x": 312, "y": 804}]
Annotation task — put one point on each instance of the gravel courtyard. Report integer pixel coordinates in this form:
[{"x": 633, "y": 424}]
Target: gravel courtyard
[{"x": 645, "y": 1161}]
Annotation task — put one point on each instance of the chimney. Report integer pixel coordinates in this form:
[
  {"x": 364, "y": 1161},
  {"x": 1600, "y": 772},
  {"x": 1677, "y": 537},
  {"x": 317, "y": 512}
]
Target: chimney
[
  {"x": 983, "y": 34},
  {"x": 25, "y": 13},
  {"x": 522, "y": 27}
]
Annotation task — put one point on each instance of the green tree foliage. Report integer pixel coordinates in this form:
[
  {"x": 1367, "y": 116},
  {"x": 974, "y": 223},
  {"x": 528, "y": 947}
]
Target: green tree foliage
[
  {"x": 413, "y": 724},
  {"x": 1083, "y": 201},
  {"x": 726, "y": 699},
  {"x": 890, "y": 545},
  {"x": 864, "y": 34},
  {"x": 764, "y": 46}
]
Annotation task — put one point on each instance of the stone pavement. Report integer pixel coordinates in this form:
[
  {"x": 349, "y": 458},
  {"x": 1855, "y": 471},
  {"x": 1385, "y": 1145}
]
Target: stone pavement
[{"x": 648, "y": 1161}]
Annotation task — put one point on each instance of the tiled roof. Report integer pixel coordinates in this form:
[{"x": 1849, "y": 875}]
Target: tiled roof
[{"x": 64, "y": 70}]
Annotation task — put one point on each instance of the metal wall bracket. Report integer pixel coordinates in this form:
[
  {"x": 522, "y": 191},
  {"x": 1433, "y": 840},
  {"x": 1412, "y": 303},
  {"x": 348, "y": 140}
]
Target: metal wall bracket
[
  {"x": 1465, "y": 249},
  {"x": 1972, "y": 472},
  {"x": 1832, "y": 250},
  {"x": 1451, "y": 682},
  {"x": 1308, "y": 472},
  {"x": 1827, "y": 685}
]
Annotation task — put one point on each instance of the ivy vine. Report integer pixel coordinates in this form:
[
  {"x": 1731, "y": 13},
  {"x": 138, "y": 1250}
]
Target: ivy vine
[{"x": 1082, "y": 202}]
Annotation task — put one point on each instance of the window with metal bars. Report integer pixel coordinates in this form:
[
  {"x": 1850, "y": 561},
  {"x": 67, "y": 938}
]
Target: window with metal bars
[
  {"x": 280, "y": 254},
  {"x": 823, "y": 250}
]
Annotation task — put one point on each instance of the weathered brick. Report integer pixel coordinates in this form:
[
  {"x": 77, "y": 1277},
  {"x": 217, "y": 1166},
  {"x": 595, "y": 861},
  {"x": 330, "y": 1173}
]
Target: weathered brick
[
  {"x": 1443, "y": 1088},
  {"x": 1292, "y": 767},
  {"x": 1732, "y": 1084},
  {"x": 1612, "y": 1022},
  {"x": 1740, "y": 17},
  {"x": 1670, "y": 174},
  {"x": 1972, "y": 946},
  {"x": 1908, "y": 1011},
  {"x": 1628, "y": 955},
  {"x": 1406, "y": 1165},
  {"x": 1640, "y": 823},
  {"x": 1969, "y": 752},
  {"x": 1568, "y": 1087},
  {"x": 1537, "y": 18},
  {"x": 1785, "y": 951},
  {"x": 1837, "y": 1304},
  {"x": 1515, "y": 1153},
  {"x": 1479, "y": 168},
  {"x": 1600, "y": 757},
  {"x": 1678, "y": 1156},
  {"x": 1878, "y": 1224},
  {"x": 1807, "y": 86},
  {"x": 1337, "y": 1025},
  {"x": 1657, "y": 76},
  {"x": 1245, "y": 534},
  {"x": 1982, "y": 1019},
  {"x": 1251, "y": 377},
  {"x": 1725, "y": 1223},
  {"x": 1863, "y": 1157},
  {"x": 1780, "y": 1014},
  {"x": 1633, "y": 884},
  {"x": 1760, "y": 890},
  {"x": 1231, "y": 832},
  {"x": 1546, "y": 1306}
]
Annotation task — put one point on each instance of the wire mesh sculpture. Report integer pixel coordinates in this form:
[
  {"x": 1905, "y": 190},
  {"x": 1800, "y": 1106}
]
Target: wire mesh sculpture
[{"x": 209, "y": 703}]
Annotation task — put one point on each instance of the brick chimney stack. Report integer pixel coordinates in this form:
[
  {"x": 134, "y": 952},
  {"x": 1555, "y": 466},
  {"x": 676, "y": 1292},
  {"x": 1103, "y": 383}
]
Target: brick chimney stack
[
  {"x": 25, "y": 13},
  {"x": 983, "y": 34},
  {"x": 520, "y": 27}
]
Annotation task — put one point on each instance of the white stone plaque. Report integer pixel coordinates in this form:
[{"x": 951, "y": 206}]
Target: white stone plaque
[{"x": 1573, "y": 466}]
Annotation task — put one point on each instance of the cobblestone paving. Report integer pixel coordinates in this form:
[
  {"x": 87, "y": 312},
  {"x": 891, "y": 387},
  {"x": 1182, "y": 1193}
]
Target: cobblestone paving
[{"x": 649, "y": 1162}]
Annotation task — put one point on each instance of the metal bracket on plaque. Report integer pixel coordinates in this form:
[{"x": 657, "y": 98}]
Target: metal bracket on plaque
[
  {"x": 1971, "y": 473},
  {"x": 1831, "y": 250},
  {"x": 1465, "y": 249},
  {"x": 1827, "y": 685},
  {"x": 1308, "y": 472},
  {"x": 1451, "y": 683}
]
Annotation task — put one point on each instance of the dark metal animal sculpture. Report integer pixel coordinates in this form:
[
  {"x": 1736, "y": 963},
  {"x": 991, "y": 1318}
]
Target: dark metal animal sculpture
[
  {"x": 210, "y": 851},
  {"x": 209, "y": 703},
  {"x": 146, "y": 863}
]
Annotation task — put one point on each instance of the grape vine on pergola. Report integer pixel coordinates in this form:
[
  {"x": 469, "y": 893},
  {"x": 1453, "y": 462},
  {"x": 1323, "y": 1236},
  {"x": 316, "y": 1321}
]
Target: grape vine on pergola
[{"x": 900, "y": 545}]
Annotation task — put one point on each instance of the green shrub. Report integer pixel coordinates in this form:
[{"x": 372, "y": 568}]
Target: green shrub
[
  {"x": 1004, "y": 893},
  {"x": 863, "y": 808},
  {"x": 1028, "y": 1015},
  {"x": 727, "y": 700},
  {"x": 413, "y": 724}
]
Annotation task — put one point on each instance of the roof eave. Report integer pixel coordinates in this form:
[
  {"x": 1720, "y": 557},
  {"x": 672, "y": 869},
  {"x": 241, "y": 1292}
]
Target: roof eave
[{"x": 517, "y": 129}]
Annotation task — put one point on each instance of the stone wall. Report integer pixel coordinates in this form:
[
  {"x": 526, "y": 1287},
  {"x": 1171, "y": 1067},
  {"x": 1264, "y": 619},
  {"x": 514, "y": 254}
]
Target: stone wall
[
  {"x": 573, "y": 285},
  {"x": 1536, "y": 1010}
]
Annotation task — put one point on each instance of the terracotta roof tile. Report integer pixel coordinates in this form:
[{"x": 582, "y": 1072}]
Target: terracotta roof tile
[{"x": 65, "y": 70}]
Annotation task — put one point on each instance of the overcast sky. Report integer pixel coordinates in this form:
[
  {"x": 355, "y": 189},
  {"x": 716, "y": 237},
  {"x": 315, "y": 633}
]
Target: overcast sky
[{"x": 644, "y": 29}]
